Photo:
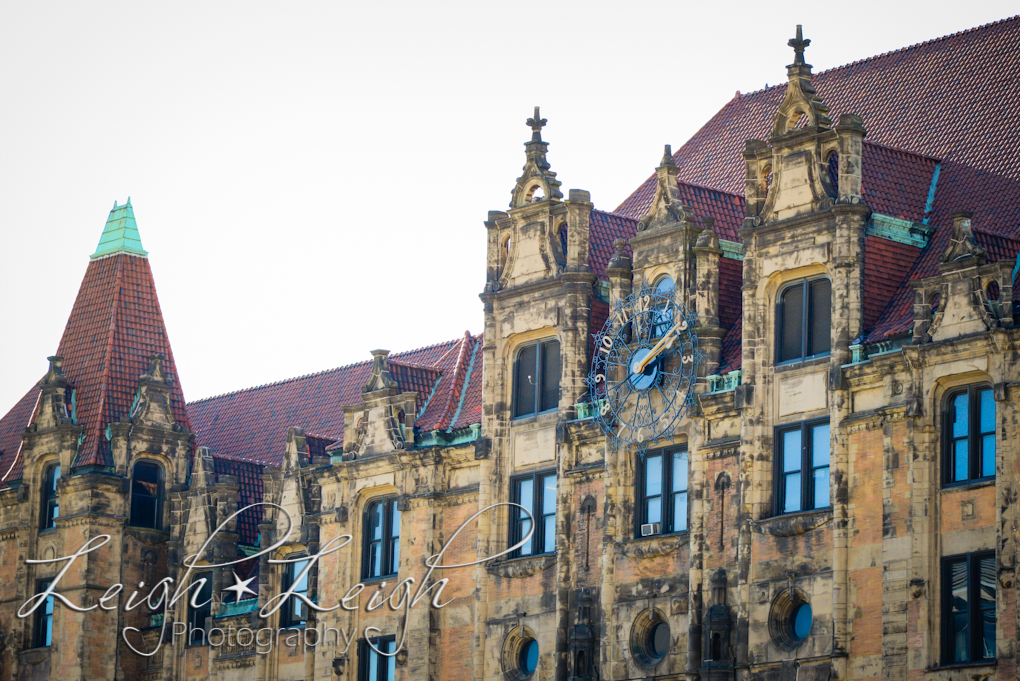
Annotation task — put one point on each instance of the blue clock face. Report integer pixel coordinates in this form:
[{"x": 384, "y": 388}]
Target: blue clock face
[{"x": 644, "y": 367}]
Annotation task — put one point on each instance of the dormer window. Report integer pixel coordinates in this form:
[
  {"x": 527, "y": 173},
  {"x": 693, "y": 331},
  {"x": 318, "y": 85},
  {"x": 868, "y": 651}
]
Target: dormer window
[
  {"x": 537, "y": 378},
  {"x": 146, "y": 495},
  {"x": 803, "y": 319},
  {"x": 50, "y": 498}
]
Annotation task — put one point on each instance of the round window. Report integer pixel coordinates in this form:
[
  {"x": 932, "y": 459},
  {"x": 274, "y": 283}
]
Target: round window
[
  {"x": 529, "y": 656},
  {"x": 802, "y": 618},
  {"x": 791, "y": 619},
  {"x": 650, "y": 638}
]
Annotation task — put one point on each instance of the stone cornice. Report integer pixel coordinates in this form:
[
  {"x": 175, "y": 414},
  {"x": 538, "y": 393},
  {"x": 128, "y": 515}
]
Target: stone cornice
[{"x": 651, "y": 547}]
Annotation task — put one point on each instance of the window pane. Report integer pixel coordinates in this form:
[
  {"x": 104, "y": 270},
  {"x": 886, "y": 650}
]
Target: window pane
[
  {"x": 653, "y": 510},
  {"x": 958, "y": 415},
  {"x": 373, "y": 662},
  {"x": 987, "y": 402},
  {"x": 960, "y": 460},
  {"x": 792, "y": 500},
  {"x": 988, "y": 634},
  {"x": 653, "y": 475},
  {"x": 549, "y": 494},
  {"x": 958, "y": 638},
  {"x": 375, "y": 521},
  {"x": 394, "y": 555},
  {"x": 680, "y": 512},
  {"x": 551, "y": 370},
  {"x": 791, "y": 323},
  {"x": 792, "y": 460},
  {"x": 550, "y": 534},
  {"x": 301, "y": 585},
  {"x": 821, "y": 482},
  {"x": 987, "y": 456},
  {"x": 525, "y": 528},
  {"x": 525, "y": 381},
  {"x": 986, "y": 577},
  {"x": 525, "y": 495},
  {"x": 395, "y": 522},
  {"x": 679, "y": 471},
  {"x": 820, "y": 325},
  {"x": 375, "y": 559},
  {"x": 958, "y": 586},
  {"x": 820, "y": 445}
]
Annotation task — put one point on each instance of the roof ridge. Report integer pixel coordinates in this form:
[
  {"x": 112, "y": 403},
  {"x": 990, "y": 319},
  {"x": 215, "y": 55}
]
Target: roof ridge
[
  {"x": 413, "y": 365},
  {"x": 615, "y": 214},
  {"x": 458, "y": 380},
  {"x": 902, "y": 150},
  {"x": 880, "y": 55}
]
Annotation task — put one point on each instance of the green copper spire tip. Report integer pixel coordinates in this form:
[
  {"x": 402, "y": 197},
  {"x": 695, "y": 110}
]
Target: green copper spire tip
[{"x": 120, "y": 234}]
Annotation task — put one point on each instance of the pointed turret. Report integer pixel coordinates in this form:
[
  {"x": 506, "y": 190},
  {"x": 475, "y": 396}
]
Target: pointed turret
[{"x": 120, "y": 234}]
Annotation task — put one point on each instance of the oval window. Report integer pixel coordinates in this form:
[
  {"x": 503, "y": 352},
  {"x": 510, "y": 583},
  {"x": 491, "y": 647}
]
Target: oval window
[
  {"x": 802, "y": 620},
  {"x": 529, "y": 656},
  {"x": 660, "y": 639}
]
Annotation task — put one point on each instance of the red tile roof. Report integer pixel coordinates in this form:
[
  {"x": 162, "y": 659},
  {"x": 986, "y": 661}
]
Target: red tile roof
[
  {"x": 249, "y": 479},
  {"x": 251, "y": 425},
  {"x": 603, "y": 229},
  {"x": 114, "y": 328},
  {"x": 12, "y": 425}
]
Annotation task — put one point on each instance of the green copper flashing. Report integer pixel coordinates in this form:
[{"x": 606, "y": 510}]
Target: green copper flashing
[{"x": 120, "y": 234}]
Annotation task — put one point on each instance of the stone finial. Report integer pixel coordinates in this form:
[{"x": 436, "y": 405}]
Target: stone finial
[
  {"x": 667, "y": 157},
  {"x": 156, "y": 373},
  {"x": 620, "y": 259},
  {"x": 381, "y": 378},
  {"x": 798, "y": 44},
  {"x": 962, "y": 244},
  {"x": 708, "y": 237},
  {"x": 536, "y": 123},
  {"x": 537, "y": 174},
  {"x": 55, "y": 372}
]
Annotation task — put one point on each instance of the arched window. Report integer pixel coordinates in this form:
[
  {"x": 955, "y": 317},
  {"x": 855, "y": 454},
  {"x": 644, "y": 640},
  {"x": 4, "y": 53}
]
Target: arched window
[
  {"x": 50, "y": 497},
  {"x": 294, "y": 611},
  {"x": 146, "y": 495},
  {"x": 563, "y": 238},
  {"x": 968, "y": 428},
  {"x": 803, "y": 319},
  {"x": 663, "y": 319},
  {"x": 382, "y": 538},
  {"x": 537, "y": 378}
]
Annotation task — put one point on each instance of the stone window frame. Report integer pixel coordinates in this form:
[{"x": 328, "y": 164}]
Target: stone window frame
[
  {"x": 538, "y": 518},
  {"x": 806, "y": 321},
  {"x": 974, "y": 610},
  {"x": 974, "y": 434},
  {"x": 540, "y": 371},
  {"x": 806, "y": 470},
  {"x": 160, "y": 496},
  {"x": 365, "y": 652},
  {"x": 49, "y": 496},
  {"x": 668, "y": 494},
  {"x": 390, "y": 560}
]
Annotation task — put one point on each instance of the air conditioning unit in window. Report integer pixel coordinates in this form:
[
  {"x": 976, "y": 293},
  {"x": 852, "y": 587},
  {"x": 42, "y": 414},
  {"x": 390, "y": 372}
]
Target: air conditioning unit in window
[{"x": 648, "y": 529}]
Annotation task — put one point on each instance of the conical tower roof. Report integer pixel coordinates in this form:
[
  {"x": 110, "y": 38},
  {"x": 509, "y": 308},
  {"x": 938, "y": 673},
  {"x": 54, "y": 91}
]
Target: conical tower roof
[{"x": 115, "y": 327}]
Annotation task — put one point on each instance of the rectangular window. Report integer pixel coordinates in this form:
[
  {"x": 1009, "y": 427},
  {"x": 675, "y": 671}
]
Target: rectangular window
[
  {"x": 804, "y": 320},
  {"x": 537, "y": 378},
  {"x": 376, "y": 664},
  {"x": 802, "y": 467},
  {"x": 968, "y": 608},
  {"x": 146, "y": 495},
  {"x": 662, "y": 490},
  {"x": 537, "y": 493},
  {"x": 50, "y": 498},
  {"x": 969, "y": 435},
  {"x": 293, "y": 613},
  {"x": 198, "y": 614},
  {"x": 42, "y": 636}
]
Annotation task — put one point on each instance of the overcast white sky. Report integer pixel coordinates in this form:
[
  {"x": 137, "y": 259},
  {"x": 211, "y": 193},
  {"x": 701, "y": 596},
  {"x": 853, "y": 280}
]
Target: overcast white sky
[{"x": 310, "y": 178}]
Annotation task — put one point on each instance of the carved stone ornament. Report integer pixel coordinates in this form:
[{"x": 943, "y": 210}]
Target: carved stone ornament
[{"x": 793, "y": 525}]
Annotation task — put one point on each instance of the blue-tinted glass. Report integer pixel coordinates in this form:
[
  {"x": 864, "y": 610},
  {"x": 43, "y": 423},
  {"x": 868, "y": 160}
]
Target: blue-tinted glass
[
  {"x": 56, "y": 512},
  {"x": 987, "y": 455},
  {"x": 958, "y": 637},
  {"x": 988, "y": 634},
  {"x": 395, "y": 523},
  {"x": 961, "y": 461},
  {"x": 820, "y": 445},
  {"x": 373, "y": 663},
  {"x": 389, "y": 661},
  {"x": 791, "y": 451},
  {"x": 821, "y": 481},
  {"x": 395, "y": 554},
  {"x": 959, "y": 415},
  {"x": 679, "y": 471},
  {"x": 986, "y": 568},
  {"x": 549, "y": 495},
  {"x": 375, "y": 521},
  {"x": 49, "y": 603},
  {"x": 792, "y": 504},
  {"x": 301, "y": 585},
  {"x": 987, "y": 412},
  {"x": 680, "y": 512},
  {"x": 48, "y": 636},
  {"x": 526, "y": 496},
  {"x": 550, "y": 534},
  {"x": 653, "y": 508},
  {"x": 958, "y": 586},
  {"x": 665, "y": 285},
  {"x": 802, "y": 621},
  {"x": 529, "y": 657},
  {"x": 56, "y": 476},
  {"x": 525, "y": 528},
  {"x": 653, "y": 475},
  {"x": 375, "y": 559}
]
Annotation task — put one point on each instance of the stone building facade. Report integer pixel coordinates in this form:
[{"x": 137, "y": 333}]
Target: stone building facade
[{"x": 841, "y": 499}]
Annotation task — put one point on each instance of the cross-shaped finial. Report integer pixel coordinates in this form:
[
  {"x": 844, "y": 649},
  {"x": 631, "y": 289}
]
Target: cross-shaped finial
[
  {"x": 798, "y": 44},
  {"x": 536, "y": 124}
]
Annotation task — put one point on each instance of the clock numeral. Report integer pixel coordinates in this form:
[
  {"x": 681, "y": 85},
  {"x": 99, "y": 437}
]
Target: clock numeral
[
  {"x": 687, "y": 359},
  {"x": 607, "y": 344},
  {"x": 599, "y": 378},
  {"x": 604, "y": 409}
]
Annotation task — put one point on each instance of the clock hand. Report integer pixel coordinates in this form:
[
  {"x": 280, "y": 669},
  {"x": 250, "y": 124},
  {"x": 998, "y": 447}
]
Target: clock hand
[{"x": 666, "y": 342}]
